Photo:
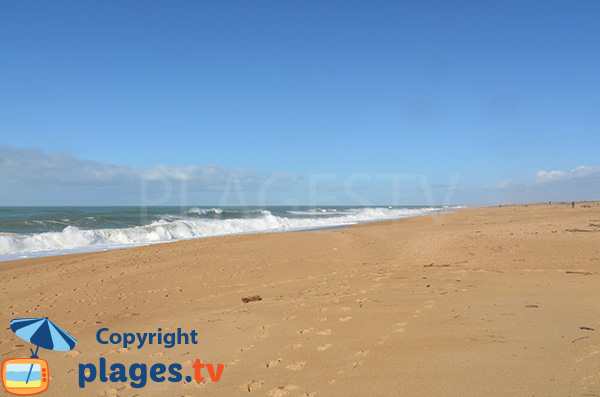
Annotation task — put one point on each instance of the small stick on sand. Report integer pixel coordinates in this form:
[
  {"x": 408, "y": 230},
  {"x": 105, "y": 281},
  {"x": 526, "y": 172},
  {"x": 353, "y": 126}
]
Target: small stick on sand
[{"x": 583, "y": 337}]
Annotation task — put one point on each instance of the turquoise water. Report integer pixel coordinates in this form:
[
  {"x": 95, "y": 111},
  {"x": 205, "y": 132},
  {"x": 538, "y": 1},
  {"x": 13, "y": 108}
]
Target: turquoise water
[
  {"x": 40, "y": 231},
  {"x": 20, "y": 372}
]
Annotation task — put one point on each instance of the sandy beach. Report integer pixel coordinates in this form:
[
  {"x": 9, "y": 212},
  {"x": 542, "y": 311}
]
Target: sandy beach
[{"x": 496, "y": 301}]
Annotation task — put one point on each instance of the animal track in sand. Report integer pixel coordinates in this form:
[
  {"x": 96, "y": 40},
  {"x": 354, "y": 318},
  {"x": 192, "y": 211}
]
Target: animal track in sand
[{"x": 297, "y": 366}]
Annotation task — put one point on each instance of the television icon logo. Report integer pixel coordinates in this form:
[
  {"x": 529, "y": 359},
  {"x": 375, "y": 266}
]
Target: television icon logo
[{"x": 25, "y": 376}]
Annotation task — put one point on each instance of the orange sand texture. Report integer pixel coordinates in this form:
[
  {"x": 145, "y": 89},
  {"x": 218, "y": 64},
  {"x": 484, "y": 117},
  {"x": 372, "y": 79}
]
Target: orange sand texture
[{"x": 481, "y": 302}]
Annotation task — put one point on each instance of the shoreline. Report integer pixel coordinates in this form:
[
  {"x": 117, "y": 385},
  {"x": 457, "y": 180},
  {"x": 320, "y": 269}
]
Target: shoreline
[
  {"x": 77, "y": 251},
  {"x": 413, "y": 306}
]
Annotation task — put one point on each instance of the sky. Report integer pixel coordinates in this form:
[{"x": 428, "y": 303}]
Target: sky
[{"x": 299, "y": 102}]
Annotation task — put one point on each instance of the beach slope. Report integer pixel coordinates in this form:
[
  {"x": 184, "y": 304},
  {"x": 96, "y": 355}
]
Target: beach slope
[{"x": 484, "y": 301}]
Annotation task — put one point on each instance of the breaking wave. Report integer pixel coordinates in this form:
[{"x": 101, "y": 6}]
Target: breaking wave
[{"x": 195, "y": 223}]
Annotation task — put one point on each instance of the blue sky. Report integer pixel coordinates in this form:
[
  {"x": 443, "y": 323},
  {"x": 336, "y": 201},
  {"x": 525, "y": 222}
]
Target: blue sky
[{"x": 493, "y": 93}]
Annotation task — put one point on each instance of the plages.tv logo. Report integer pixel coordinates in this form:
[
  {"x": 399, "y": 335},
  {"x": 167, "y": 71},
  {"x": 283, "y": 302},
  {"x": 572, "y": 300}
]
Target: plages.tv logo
[{"x": 29, "y": 376}]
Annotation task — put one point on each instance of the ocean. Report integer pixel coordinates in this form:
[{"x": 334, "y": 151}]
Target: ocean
[{"x": 27, "y": 232}]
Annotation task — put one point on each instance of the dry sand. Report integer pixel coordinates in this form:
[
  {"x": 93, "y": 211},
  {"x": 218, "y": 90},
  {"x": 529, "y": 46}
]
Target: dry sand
[{"x": 485, "y": 301}]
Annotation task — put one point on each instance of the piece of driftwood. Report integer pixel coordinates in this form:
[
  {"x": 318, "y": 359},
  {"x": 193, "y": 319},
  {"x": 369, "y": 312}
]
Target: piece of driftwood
[
  {"x": 253, "y": 298},
  {"x": 432, "y": 265}
]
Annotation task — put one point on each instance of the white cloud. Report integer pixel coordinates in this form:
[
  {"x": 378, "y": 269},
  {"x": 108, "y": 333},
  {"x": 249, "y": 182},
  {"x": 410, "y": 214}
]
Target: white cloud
[
  {"x": 506, "y": 183},
  {"x": 25, "y": 166},
  {"x": 30, "y": 173},
  {"x": 580, "y": 172}
]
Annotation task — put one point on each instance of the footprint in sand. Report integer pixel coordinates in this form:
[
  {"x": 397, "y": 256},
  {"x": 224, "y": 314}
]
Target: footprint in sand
[
  {"x": 155, "y": 355},
  {"x": 401, "y": 326},
  {"x": 243, "y": 349},
  {"x": 254, "y": 385},
  {"x": 282, "y": 390},
  {"x": 297, "y": 366},
  {"x": 305, "y": 331},
  {"x": 273, "y": 363},
  {"x": 108, "y": 353},
  {"x": 324, "y": 347},
  {"x": 356, "y": 364},
  {"x": 72, "y": 353},
  {"x": 346, "y": 309},
  {"x": 232, "y": 363},
  {"x": 324, "y": 332},
  {"x": 109, "y": 392},
  {"x": 320, "y": 319},
  {"x": 290, "y": 317},
  {"x": 344, "y": 319},
  {"x": 296, "y": 346},
  {"x": 382, "y": 339}
]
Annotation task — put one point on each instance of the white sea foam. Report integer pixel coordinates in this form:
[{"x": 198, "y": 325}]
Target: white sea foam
[
  {"x": 203, "y": 211},
  {"x": 171, "y": 228}
]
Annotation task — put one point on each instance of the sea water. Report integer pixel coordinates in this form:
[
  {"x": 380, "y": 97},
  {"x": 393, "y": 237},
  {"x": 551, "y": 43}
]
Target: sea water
[{"x": 27, "y": 232}]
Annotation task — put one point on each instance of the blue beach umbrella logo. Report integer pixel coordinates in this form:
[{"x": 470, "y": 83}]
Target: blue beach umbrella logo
[{"x": 43, "y": 333}]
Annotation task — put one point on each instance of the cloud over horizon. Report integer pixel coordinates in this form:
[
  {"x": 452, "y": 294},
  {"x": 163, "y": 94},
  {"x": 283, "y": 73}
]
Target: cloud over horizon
[
  {"x": 31, "y": 176},
  {"x": 581, "y": 172},
  {"x": 27, "y": 170}
]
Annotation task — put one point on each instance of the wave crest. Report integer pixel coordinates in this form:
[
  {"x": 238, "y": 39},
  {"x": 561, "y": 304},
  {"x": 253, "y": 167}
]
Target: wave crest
[{"x": 170, "y": 228}]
